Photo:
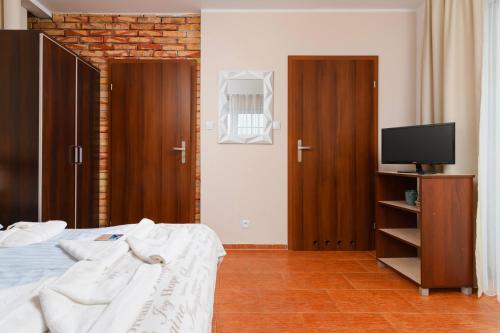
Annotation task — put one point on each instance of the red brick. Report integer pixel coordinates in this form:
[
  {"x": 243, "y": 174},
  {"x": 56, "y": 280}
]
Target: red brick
[
  {"x": 91, "y": 39},
  {"x": 142, "y": 53},
  {"x": 149, "y": 47},
  {"x": 101, "y": 32},
  {"x": 193, "y": 19},
  {"x": 173, "y": 20},
  {"x": 67, "y": 39},
  {"x": 193, "y": 34},
  {"x": 174, "y": 33},
  {"x": 100, "y": 19},
  {"x": 115, "y": 53},
  {"x": 76, "y": 32},
  {"x": 189, "y": 40},
  {"x": 142, "y": 26},
  {"x": 149, "y": 19},
  {"x": 124, "y": 46},
  {"x": 149, "y": 33},
  {"x": 125, "y": 32},
  {"x": 194, "y": 47},
  {"x": 92, "y": 54},
  {"x": 117, "y": 26},
  {"x": 185, "y": 27},
  {"x": 101, "y": 46},
  {"x": 173, "y": 47},
  {"x": 140, "y": 40},
  {"x": 165, "y": 40},
  {"x": 129, "y": 19},
  {"x": 54, "y": 32},
  {"x": 55, "y": 18},
  {"x": 76, "y": 18},
  {"x": 115, "y": 39},
  {"x": 169, "y": 54},
  {"x": 77, "y": 47},
  {"x": 93, "y": 25},
  {"x": 166, "y": 26},
  {"x": 68, "y": 25},
  {"x": 189, "y": 54}
]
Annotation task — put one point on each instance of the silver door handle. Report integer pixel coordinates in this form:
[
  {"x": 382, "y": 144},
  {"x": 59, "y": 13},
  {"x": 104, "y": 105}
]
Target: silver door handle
[
  {"x": 182, "y": 149},
  {"x": 300, "y": 148}
]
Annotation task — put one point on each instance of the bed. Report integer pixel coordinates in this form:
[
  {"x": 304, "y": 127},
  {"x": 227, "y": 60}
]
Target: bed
[{"x": 181, "y": 300}]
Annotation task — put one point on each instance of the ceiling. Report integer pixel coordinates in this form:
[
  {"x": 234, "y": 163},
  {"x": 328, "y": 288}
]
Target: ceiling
[{"x": 195, "y": 6}]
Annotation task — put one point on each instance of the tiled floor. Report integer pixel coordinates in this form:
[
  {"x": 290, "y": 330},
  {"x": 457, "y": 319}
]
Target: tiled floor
[{"x": 279, "y": 291}]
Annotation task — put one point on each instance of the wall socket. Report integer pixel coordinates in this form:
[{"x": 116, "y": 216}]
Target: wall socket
[{"x": 245, "y": 224}]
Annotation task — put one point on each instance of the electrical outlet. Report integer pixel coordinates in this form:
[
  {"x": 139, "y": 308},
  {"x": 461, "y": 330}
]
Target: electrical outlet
[{"x": 245, "y": 224}]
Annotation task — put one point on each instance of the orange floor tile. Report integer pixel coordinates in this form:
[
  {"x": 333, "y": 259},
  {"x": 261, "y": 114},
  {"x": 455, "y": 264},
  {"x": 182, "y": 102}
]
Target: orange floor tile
[{"x": 274, "y": 291}]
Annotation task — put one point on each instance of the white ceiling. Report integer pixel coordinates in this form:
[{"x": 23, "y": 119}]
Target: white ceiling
[{"x": 194, "y": 6}]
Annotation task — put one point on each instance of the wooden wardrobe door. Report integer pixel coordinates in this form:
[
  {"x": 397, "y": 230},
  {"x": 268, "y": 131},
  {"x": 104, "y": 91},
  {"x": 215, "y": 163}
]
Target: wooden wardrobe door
[
  {"x": 152, "y": 112},
  {"x": 19, "y": 59},
  {"x": 58, "y": 133},
  {"x": 178, "y": 129},
  {"x": 88, "y": 142},
  {"x": 331, "y": 189}
]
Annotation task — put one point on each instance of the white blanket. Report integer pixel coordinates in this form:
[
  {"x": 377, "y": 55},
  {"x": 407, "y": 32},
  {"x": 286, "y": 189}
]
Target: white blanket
[{"x": 25, "y": 233}]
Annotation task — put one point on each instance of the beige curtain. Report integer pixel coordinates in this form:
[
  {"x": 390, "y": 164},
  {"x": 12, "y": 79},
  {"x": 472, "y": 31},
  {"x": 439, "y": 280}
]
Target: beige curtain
[{"x": 450, "y": 74}]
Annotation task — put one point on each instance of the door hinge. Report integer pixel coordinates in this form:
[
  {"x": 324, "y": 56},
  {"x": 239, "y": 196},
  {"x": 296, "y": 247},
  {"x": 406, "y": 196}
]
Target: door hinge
[
  {"x": 374, "y": 226},
  {"x": 111, "y": 87},
  {"x": 374, "y": 84}
]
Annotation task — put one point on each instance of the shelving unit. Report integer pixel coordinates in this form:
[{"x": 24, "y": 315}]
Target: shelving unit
[{"x": 431, "y": 244}]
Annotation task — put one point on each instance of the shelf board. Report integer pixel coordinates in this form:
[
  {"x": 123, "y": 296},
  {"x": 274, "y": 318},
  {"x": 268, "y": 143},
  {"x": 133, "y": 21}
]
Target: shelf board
[
  {"x": 409, "y": 267},
  {"x": 407, "y": 235},
  {"x": 400, "y": 204}
]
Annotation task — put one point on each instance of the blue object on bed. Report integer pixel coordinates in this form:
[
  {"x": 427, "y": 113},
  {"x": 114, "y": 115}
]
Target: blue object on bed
[{"x": 26, "y": 264}]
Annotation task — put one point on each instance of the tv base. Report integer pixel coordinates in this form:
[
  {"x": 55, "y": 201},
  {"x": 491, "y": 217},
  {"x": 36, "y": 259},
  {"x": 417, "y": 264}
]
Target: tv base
[{"x": 418, "y": 170}]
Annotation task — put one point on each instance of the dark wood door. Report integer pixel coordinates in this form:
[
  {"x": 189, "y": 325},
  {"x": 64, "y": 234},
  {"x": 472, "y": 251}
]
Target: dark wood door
[
  {"x": 153, "y": 107},
  {"x": 58, "y": 133},
  {"x": 333, "y": 132},
  {"x": 19, "y": 59},
  {"x": 88, "y": 146}
]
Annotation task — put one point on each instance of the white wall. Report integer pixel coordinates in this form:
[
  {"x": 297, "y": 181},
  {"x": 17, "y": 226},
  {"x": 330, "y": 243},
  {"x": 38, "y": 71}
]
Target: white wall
[
  {"x": 250, "y": 181},
  {"x": 15, "y": 16}
]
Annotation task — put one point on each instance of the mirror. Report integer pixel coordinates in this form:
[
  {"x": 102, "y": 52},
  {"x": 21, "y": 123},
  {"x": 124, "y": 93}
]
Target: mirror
[{"x": 245, "y": 107}]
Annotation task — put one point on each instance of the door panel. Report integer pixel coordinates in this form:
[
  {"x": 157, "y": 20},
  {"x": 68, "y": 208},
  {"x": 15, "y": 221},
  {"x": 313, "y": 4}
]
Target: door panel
[
  {"x": 58, "y": 134},
  {"x": 331, "y": 110},
  {"x": 152, "y": 112},
  {"x": 88, "y": 140}
]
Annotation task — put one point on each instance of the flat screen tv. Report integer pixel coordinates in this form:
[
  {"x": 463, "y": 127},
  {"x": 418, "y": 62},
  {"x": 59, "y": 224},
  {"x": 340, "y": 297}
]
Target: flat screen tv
[{"x": 425, "y": 144}]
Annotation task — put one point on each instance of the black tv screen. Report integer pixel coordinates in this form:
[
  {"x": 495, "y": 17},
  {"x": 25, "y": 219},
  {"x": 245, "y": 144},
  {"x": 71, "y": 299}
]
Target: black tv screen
[{"x": 425, "y": 144}]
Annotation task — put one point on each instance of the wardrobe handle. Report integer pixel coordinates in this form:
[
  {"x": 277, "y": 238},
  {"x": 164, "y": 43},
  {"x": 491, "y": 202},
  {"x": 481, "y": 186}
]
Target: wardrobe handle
[
  {"x": 316, "y": 243},
  {"x": 80, "y": 155},
  {"x": 73, "y": 154}
]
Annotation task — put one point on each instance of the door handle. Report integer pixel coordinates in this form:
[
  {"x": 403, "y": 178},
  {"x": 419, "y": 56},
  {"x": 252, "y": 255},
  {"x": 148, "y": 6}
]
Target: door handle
[
  {"x": 300, "y": 148},
  {"x": 182, "y": 149},
  {"x": 80, "y": 155}
]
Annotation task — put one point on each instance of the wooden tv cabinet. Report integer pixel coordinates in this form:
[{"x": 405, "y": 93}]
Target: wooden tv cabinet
[{"x": 431, "y": 244}]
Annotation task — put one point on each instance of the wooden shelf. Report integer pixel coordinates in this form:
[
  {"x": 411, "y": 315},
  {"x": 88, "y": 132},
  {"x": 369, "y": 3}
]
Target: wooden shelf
[
  {"x": 408, "y": 235},
  {"x": 400, "y": 205},
  {"x": 409, "y": 267}
]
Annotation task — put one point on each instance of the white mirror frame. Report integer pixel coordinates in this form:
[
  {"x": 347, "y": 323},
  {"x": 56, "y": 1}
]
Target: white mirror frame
[{"x": 224, "y": 133}]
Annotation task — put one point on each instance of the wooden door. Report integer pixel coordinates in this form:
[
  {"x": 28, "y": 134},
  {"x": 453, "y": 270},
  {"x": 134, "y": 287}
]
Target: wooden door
[
  {"x": 153, "y": 107},
  {"x": 58, "y": 133},
  {"x": 88, "y": 146},
  {"x": 332, "y": 110}
]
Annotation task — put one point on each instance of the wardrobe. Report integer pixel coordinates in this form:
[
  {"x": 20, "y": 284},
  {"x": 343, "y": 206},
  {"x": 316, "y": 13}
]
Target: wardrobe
[{"x": 49, "y": 132}]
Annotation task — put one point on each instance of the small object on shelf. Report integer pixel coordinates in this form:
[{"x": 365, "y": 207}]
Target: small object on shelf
[{"x": 411, "y": 197}]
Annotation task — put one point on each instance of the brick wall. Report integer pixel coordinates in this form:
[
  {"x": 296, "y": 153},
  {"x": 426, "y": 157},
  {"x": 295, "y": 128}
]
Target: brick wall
[{"x": 98, "y": 38}]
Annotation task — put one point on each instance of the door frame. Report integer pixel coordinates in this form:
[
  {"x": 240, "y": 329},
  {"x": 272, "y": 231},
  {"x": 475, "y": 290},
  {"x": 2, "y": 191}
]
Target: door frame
[
  {"x": 193, "y": 130},
  {"x": 292, "y": 113}
]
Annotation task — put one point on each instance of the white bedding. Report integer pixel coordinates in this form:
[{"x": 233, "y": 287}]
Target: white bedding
[{"x": 182, "y": 299}]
